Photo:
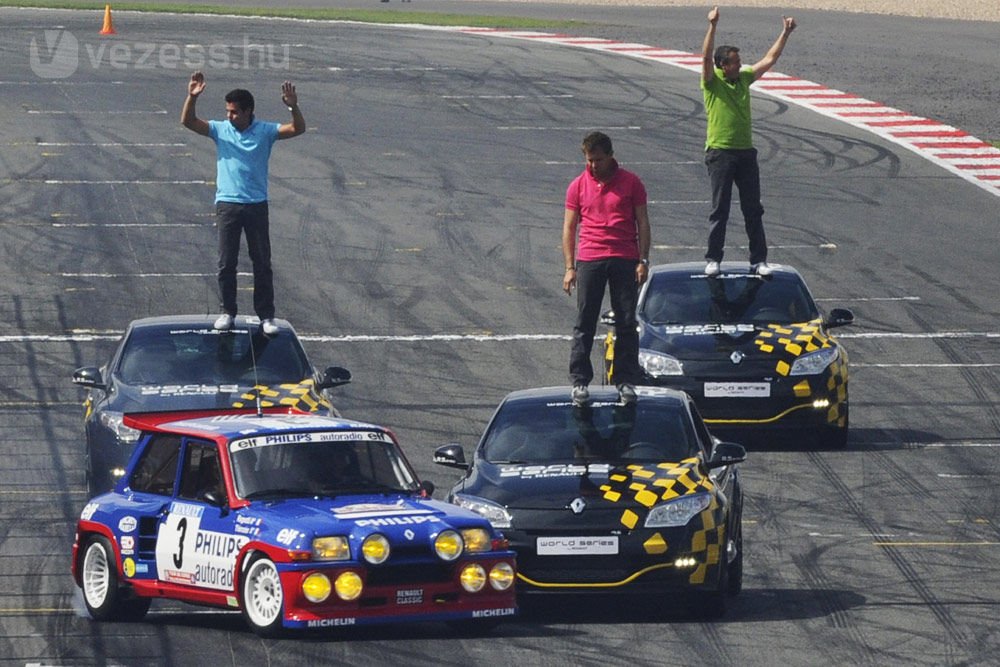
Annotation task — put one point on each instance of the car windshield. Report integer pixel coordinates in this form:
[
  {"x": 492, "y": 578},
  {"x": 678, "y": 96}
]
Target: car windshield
[
  {"x": 192, "y": 356},
  {"x": 536, "y": 432},
  {"x": 327, "y": 468},
  {"x": 681, "y": 298}
]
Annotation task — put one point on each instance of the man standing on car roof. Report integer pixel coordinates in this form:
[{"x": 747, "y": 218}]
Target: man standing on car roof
[
  {"x": 243, "y": 147},
  {"x": 729, "y": 152},
  {"x": 607, "y": 205}
]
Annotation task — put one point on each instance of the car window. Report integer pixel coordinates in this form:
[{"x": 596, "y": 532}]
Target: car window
[
  {"x": 321, "y": 468},
  {"x": 538, "y": 433},
  {"x": 199, "y": 356},
  {"x": 674, "y": 298},
  {"x": 701, "y": 430},
  {"x": 201, "y": 473},
  {"x": 156, "y": 469}
]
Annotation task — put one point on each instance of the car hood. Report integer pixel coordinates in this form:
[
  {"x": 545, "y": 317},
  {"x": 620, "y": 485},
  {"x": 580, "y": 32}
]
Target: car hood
[
  {"x": 558, "y": 485},
  {"x": 293, "y": 523},
  {"x": 176, "y": 397},
  {"x": 709, "y": 342}
]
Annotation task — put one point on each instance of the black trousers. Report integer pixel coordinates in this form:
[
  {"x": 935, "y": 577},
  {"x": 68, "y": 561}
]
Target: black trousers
[
  {"x": 235, "y": 220},
  {"x": 726, "y": 167},
  {"x": 618, "y": 275}
]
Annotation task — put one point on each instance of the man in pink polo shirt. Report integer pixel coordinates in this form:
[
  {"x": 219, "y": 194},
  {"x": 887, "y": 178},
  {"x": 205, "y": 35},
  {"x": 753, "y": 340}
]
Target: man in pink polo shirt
[{"x": 607, "y": 205}]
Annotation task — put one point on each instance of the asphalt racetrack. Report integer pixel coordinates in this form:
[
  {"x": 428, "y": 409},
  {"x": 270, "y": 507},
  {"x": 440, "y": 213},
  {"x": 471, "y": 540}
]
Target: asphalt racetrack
[{"x": 416, "y": 232}]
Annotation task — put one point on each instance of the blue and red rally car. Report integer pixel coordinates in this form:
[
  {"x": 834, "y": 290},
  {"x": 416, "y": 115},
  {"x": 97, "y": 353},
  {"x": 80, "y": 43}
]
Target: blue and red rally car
[{"x": 299, "y": 521}]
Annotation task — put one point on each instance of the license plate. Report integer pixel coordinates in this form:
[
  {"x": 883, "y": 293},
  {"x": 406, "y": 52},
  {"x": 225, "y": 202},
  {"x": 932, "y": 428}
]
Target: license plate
[
  {"x": 737, "y": 389},
  {"x": 577, "y": 546}
]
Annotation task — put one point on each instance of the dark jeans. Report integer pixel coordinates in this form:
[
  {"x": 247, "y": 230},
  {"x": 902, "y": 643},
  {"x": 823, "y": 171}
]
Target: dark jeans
[
  {"x": 591, "y": 278},
  {"x": 235, "y": 220},
  {"x": 726, "y": 167}
]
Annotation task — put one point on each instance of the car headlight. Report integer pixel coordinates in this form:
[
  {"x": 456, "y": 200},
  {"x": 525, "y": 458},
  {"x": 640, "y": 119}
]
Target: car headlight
[
  {"x": 448, "y": 545},
  {"x": 316, "y": 587},
  {"x": 477, "y": 540},
  {"x": 658, "y": 364},
  {"x": 815, "y": 362},
  {"x": 375, "y": 549},
  {"x": 502, "y": 576},
  {"x": 678, "y": 512},
  {"x": 496, "y": 514},
  {"x": 331, "y": 548},
  {"x": 113, "y": 421}
]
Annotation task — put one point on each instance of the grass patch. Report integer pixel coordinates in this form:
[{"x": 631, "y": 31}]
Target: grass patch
[{"x": 325, "y": 14}]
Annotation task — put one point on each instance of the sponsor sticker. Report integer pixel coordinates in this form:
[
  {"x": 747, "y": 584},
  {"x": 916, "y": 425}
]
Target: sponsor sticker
[
  {"x": 127, "y": 524},
  {"x": 606, "y": 545},
  {"x": 737, "y": 389},
  {"x": 128, "y": 567},
  {"x": 88, "y": 511},
  {"x": 409, "y": 596}
]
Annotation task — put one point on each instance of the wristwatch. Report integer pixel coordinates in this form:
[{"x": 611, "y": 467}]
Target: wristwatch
[{"x": 644, "y": 262}]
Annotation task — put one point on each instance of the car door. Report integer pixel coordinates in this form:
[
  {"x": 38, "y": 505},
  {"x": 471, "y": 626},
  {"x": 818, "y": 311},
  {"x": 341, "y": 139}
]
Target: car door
[{"x": 196, "y": 544}]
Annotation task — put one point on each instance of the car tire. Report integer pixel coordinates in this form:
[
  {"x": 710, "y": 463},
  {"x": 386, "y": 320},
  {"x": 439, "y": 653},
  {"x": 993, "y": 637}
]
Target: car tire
[
  {"x": 712, "y": 604},
  {"x": 262, "y": 597},
  {"x": 736, "y": 567},
  {"x": 835, "y": 437},
  {"x": 106, "y": 599}
]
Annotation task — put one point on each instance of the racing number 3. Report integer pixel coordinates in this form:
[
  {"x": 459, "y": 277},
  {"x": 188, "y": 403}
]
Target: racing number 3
[{"x": 182, "y": 531}]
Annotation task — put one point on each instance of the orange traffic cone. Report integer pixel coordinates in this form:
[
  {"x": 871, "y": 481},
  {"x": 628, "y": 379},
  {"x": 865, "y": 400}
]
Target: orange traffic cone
[{"x": 109, "y": 28}]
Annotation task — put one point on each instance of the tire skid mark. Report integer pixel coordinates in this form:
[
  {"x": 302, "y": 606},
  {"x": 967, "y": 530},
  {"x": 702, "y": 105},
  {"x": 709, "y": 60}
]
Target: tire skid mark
[
  {"x": 957, "y": 633},
  {"x": 950, "y": 148}
]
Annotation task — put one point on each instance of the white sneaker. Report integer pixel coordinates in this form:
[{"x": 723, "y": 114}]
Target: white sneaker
[
  {"x": 269, "y": 327},
  {"x": 712, "y": 269},
  {"x": 626, "y": 392},
  {"x": 580, "y": 395},
  {"x": 224, "y": 322},
  {"x": 762, "y": 269}
]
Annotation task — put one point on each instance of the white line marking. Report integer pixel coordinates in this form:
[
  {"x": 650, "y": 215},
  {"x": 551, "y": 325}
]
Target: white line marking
[
  {"x": 871, "y": 298},
  {"x": 98, "y": 144},
  {"x": 53, "y": 181},
  {"x": 928, "y": 335},
  {"x": 91, "y": 334},
  {"x": 124, "y": 224},
  {"x": 506, "y": 97},
  {"x": 108, "y": 112},
  {"x": 784, "y": 246},
  {"x": 142, "y": 275},
  {"x": 533, "y": 128},
  {"x": 949, "y": 365}
]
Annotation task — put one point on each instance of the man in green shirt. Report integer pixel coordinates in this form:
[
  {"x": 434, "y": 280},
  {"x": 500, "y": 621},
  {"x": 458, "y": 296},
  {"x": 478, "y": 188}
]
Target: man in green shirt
[{"x": 729, "y": 152}]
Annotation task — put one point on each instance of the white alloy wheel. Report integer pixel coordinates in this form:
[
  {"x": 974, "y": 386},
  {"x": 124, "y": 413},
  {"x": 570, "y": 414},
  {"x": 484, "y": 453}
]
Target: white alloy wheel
[{"x": 262, "y": 596}]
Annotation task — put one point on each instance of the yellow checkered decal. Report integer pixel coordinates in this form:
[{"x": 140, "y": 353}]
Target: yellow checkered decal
[
  {"x": 787, "y": 342},
  {"x": 299, "y": 396},
  {"x": 648, "y": 485}
]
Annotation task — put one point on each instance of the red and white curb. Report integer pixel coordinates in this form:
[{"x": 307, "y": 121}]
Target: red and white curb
[{"x": 953, "y": 149}]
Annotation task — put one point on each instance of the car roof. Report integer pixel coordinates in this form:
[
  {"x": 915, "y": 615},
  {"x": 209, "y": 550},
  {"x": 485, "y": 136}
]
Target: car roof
[
  {"x": 233, "y": 426},
  {"x": 197, "y": 322},
  {"x": 738, "y": 268},
  {"x": 598, "y": 393}
]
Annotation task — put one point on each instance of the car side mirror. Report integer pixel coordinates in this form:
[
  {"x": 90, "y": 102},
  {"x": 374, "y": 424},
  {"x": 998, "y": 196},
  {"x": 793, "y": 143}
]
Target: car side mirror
[
  {"x": 727, "y": 454},
  {"x": 426, "y": 488},
  {"x": 839, "y": 317},
  {"x": 608, "y": 318},
  {"x": 452, "y": 456},
  {"x": 89, "y": 377},
  {"x": 334, "y": 376},
  {"x": 212, "y": 498}
]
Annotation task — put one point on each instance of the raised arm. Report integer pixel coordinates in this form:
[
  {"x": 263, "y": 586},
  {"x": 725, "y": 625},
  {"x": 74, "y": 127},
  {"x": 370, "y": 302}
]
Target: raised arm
[
  {"x": 707, "y": 61},
  {"x": 189, "y": 117},
  {"x": 298, "y": 124},
  {"x": 772, "y": 55}
]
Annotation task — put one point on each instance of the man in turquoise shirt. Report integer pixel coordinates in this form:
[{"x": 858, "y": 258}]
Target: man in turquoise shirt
[
  {"x": 243, "y": 147},
  {"x": 729, "y": 152}
]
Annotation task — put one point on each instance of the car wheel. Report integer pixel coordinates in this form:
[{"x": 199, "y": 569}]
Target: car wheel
[
  {"x": 736, "y": 566},
  {"x": 835, "y": 437},
  {"x": 262, "y": 596},
  {"x": 712, "y": 604},
  {"x": 105, "y": 598}
]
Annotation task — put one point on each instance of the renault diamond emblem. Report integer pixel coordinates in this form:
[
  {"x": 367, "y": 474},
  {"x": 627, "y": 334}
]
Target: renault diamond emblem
[
  {"x": 578, "y": 505},
  {"x": 408, "y": 534},
  {"x": 736, "y": 357}
]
